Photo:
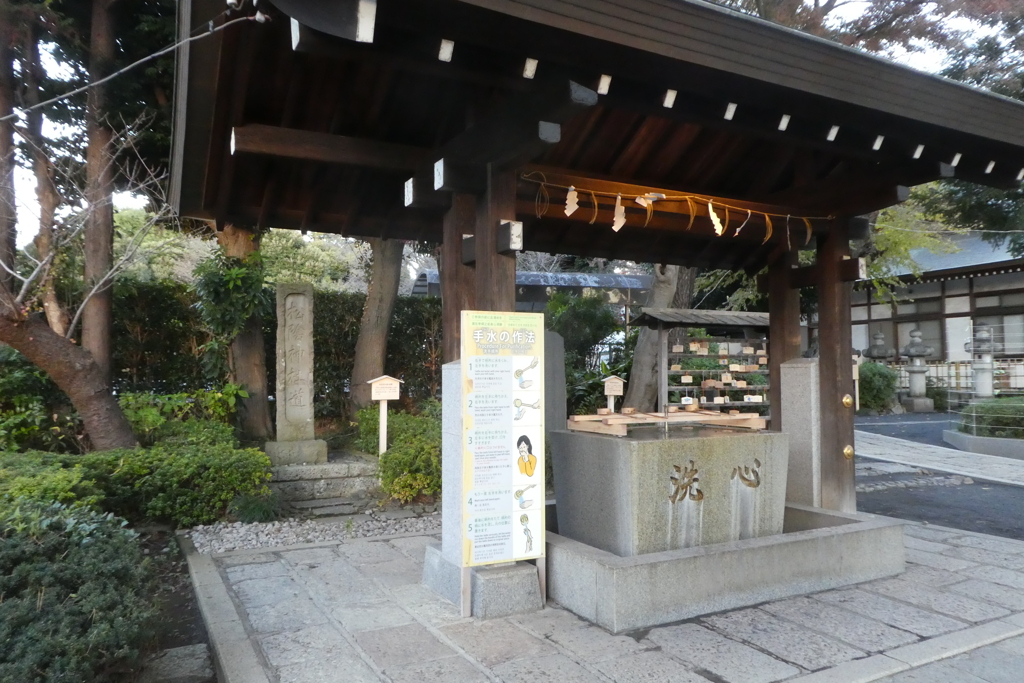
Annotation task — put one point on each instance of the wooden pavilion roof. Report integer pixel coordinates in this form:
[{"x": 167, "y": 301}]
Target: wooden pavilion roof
[{"x": 301, "y": 123}]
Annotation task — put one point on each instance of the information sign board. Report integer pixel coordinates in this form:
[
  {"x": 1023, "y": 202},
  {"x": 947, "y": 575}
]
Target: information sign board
[{"x": 503, "y": 437}]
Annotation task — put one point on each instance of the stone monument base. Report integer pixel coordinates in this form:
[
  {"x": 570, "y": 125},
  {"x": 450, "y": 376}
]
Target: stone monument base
[
  {"x": 921, "y": 404},
  {"x": 312, "y": 452},
  {"x": 498, "y": 591},
  {"x": 819, "y": 550}
]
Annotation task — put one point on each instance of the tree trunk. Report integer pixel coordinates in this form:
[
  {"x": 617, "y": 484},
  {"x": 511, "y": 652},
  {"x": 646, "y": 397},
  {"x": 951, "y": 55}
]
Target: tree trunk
[
  {"x": 97, "y": 317},
  {"x": 73, "y": 369},
  {"x": 372, "y": 345},
  {"x": 46, "y": 190},
  {"x": 247, "y": 356},
  {"x": 8, "y": 218},
  {"x": 642, "y": 391}
]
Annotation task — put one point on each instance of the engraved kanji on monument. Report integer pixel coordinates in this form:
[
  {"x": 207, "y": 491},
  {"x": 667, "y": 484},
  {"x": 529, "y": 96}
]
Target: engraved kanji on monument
[{"x": 294, "y": 397}]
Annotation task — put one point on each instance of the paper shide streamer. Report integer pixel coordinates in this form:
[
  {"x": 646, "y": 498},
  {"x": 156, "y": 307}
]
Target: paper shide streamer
[{"x": 719, "y": 222}]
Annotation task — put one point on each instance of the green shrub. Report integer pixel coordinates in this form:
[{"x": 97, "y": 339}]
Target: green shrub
[
  {"x": 185, "y": 484},
  {"x": 877, "y": 386},
  {"x": 75, "y": 589},
  {"x": 195, "y": 433},
  {"x": 412, "y": 464},
  {"x": 147, "y": 413},
  {"x": 249, "y": 508},
  {"x": 34, "y": 413},
  {"x": 401, "y": 426},
  {"x": 583, "y": 322},
  {"x": 412, "y": 467},
  {"x": 938, "y": 393},
  {"x": 999, "y": 417}
]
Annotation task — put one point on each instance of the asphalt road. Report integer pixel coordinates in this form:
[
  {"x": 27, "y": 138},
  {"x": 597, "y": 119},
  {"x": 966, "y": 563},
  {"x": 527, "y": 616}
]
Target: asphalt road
[
  {"x": 921, "y": 427},
  {"x": 979, "y": 506}
]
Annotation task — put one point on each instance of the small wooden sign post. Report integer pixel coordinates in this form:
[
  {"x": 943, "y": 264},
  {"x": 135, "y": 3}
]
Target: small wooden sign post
[
  {"x": 613, "y": 386},
  {"x": 384, "y": 388}
]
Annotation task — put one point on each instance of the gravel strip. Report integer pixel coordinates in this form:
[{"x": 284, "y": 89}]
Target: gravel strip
[{"x": 222, "y": 537}]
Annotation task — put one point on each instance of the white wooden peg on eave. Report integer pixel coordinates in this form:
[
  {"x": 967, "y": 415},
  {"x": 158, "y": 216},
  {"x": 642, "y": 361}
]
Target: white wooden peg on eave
[
  {"x": 956, "y": 159},
  {"x": 1020, "y": 175},
  {"x": 832, "y": 133},
  {"x": 444, "y": 53},
  {"x": 670, "y": 99},
  {"x": 784, "y": 122},
  {"x": 366, "y": 19},
  {"x": 991, "y": 166},
  {"x": 919, "y": 151},
  {"x": 530, "y": 68},
  {"x": 878, "y": 143},
  {"x": 730, "y": 111},
  {"x": 604, "y": 85}
]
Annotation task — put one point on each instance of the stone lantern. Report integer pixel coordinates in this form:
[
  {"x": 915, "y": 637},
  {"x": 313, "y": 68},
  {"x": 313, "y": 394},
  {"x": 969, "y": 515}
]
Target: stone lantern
[
  {"x": 982, "y": 348},
  {"x": 878, "y": 350},
  {"x": 916, "y": 351}
]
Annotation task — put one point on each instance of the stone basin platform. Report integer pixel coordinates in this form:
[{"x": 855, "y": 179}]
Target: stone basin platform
[
  {"x": 819, "y": 550},
  {"x": 661, "y": 526}
]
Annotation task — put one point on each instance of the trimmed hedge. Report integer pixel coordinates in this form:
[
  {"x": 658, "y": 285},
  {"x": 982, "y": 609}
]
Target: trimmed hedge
[
  {"x": 412, "y": 464},
  {"x": 189, "y": 479},
  {"x": 158, "y": 335},
  {"x": 999, "y": 417},
  {"x": 877, "y": 386},
  {"x": 75, "y": 595}
]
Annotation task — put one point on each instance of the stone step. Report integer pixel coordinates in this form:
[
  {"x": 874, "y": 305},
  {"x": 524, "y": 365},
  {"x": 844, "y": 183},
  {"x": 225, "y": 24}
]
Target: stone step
[
  {"x": 328, "y": 502},
  {"x": 347, "y": 480}
]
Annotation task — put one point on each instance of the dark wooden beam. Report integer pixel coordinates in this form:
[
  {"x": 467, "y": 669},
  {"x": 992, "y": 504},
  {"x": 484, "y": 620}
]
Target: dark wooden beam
[
  {"x": 495, "y": 271},
  {"x": 784, "y": 330},
  {"x": 411, "y": 54},
  {"x": 458, "y": 281},
  {"x": 349, "y": 19},
  {"x": 849, "y": 270},
  {"x": 861, "y": 189},
  {"x": 835, "y": 368},
  {"x": 325, "y": 148},
  {"x": 514, "y": 133}
]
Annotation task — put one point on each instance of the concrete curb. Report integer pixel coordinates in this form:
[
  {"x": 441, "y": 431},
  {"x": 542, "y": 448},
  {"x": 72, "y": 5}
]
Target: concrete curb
[
  {"x": 234, "y": 656},
  {"x": 974, "y": 473},
  {"x": 918, "y": 654},
  {"x": 306, "y": 546}
]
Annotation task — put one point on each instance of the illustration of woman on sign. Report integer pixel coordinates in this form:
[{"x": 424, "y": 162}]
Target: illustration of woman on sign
[
  {"x": 525, "y": 521},
  {"x": 527, "y": 461}
]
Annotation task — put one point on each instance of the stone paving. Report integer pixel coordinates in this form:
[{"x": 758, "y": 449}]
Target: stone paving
[
  {"x": 989, "y": 467},
  {"x": 355, "y": 611}
]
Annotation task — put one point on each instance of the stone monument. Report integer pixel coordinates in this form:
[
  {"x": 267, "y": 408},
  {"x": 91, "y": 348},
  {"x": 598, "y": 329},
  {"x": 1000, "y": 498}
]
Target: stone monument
[
  {"x": 982, "y": 349},
  {"x": 295, "y": 444},
  {"x": 916, "y": 350}
]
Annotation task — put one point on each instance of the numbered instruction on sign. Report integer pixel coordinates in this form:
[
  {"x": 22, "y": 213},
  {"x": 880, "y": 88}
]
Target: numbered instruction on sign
[{"x": 503, "y": 436}]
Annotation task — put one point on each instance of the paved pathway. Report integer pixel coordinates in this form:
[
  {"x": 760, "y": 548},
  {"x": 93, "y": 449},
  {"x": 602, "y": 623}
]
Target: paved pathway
[
  {"x": 355, "y": 611},
  {"x": 987, "y": 467}
]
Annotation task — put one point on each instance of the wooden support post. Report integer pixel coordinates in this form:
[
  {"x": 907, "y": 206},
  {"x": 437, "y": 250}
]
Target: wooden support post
[
  {"x": 495, "y": 272},
  {"x": 835, "y": 377},
  {"x": 382, "y": 436},
  {"x": 458, "y": 284},
  {"x": 784, "y": 330}
]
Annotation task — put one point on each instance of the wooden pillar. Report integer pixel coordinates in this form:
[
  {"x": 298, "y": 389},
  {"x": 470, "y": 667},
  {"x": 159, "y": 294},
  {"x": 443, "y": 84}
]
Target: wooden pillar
[
  {"x": 495, "y": 273},
  {"x": 783, "y": 332},
  {"x": 835, "y": 371},
  {"x": 458, "y": 285}
]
